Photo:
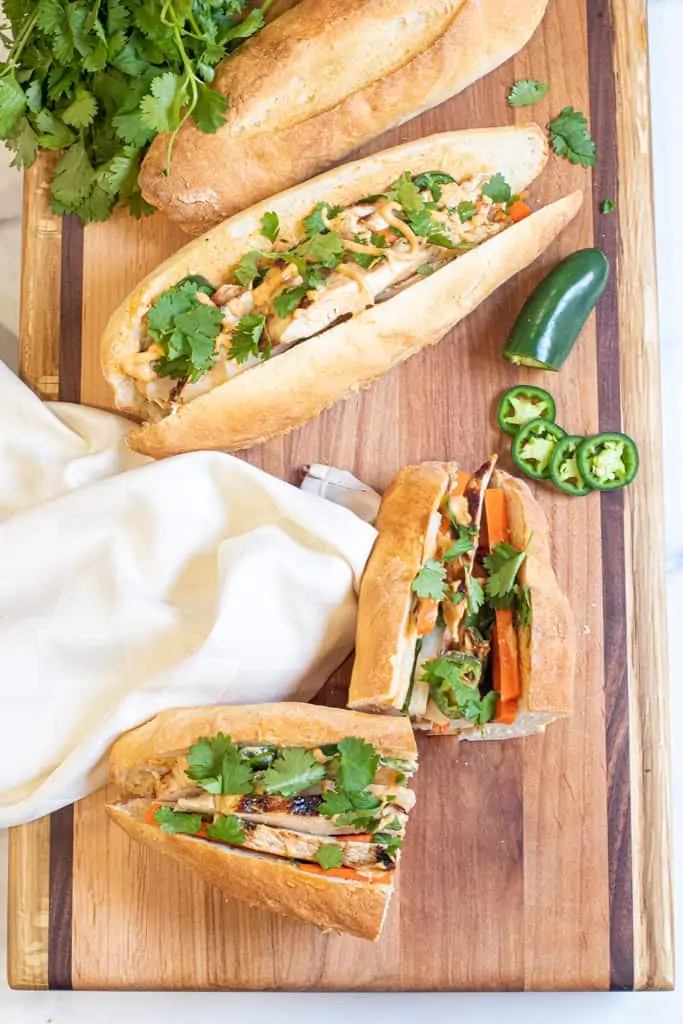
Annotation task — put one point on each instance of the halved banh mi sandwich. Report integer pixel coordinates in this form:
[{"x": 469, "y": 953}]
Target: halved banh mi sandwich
[
  {"x": 461, "y": 621},
  {"x": 295, "y": 808},
  {"x": 297, "y": 303}
]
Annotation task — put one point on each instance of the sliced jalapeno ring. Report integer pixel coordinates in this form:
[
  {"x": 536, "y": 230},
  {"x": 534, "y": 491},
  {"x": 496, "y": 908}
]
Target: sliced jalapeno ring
[
  {"x": 608, "y": 461},
  {"x": 523, "y": 403},
  {"x": 564, "y": 470},
  {"x": 533, "y": 446}
]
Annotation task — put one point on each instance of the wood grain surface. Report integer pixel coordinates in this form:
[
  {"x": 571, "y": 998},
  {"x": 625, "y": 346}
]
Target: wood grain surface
[{"x": 553, "y": 863}]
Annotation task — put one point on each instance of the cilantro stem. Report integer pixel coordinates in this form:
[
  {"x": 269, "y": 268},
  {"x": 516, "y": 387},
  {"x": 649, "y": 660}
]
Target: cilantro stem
[{"x": 20, "y": 43}]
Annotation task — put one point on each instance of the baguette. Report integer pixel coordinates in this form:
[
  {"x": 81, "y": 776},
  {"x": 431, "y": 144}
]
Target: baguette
[
  {"x": 266, "y": 397},
  {"x": 387, "y": 669},
  {"x": 318, "y": 82},
  {"x": 150, "y": 767}
]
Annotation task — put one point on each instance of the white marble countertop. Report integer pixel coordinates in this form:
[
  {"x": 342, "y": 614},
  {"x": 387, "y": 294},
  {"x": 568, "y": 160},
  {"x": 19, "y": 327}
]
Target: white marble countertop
[{"x": 666, "y": 31}]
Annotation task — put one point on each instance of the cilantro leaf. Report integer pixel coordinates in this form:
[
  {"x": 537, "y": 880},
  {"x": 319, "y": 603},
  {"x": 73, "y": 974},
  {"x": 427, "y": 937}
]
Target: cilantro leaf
[
  {"x": 210, "y": 108},
  {"x": 466, "y": 211},
  {"x": 53, "y": 133},
  {"x": 186, "y": 329},
  {"x": 81, "y": 112},
  {"x": 293, "y": 771},
  {"x": 216, "y": 766},
  {"x": 571, "y": 138},
  {"x": 227, "y": 828},
  {"x": 526, "y": 92},
  {"x": 270, "y": 225},
  {"x": 497, "y": 189},
  {"x": 607, "y": 206},
  {"x": 287, "y": 301},
  {"x": 12, "y": 103},
  {"x": 314, "y": 223},
  {"x": 391, "y": 844},
  {"x": 329, "y": 855},
  {"x": 463, "y": 545},
  {"x": 405, "y": 192},
  {"x": 430, "y": 582},
  {"x": 131, "y": 129},
  {"x": 503, "y": 564},
  {"x": 334, "y": 803},
  {"x": 73, "y": 177},
  {"x": 358, "y": 765},
  {"x": 23, "y": 142},
  {"x": 177, "y": 823},
  {"x": 160, "y": 109},
  {"x": 522, "y": 605},
  {"x": 453, "y": 682},
  {"x": 426, "y": 270},
  {"x": 247, "y": 269},
  {"x": 433, "y": 180},
  {"x": 327, "y": 249},
  {"x": 475, "y": 595},
  {"x": 245, "y": 341}
]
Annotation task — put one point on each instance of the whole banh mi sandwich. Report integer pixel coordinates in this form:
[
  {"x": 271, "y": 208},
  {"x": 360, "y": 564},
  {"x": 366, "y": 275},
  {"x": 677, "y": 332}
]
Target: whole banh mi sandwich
[
  {"x": 297, "y": 303},
  {"x": 318, "y": 82},
  {"x": 462, "y": 624},
  {"x": 294, "y": 808}
]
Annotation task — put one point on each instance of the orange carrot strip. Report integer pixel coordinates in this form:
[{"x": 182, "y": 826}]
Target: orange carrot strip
[
  {"x": 506, "y": 680},
  {"x": 149, "y": 815},
  {"x": 519, "y": 211},
  {"x": 348, "y": 873},
  {"x": 427, "y": 614},
  {"x": 462, "y": 478},
  {"x": 506, "y": 712},
  {"x": 441, "y": 727}
]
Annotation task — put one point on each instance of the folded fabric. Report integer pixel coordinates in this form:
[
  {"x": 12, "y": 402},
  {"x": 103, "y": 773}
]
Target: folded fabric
[{"x": 128, "y": 586}]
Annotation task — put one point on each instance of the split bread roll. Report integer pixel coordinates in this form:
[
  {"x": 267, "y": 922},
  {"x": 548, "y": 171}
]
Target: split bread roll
[
  {"x": 465, "y": 636},
  {"x": 243, "y": 797},
  {"x": 394, "y": 251},
  {"x": 321, "y": 80}
]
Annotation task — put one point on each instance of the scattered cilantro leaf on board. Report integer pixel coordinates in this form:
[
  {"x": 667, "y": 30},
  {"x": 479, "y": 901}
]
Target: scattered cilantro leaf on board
[
  {"x": 526, "y": 92},
  {"x": 329, "y": 855},
  {"x": 607, "y": 206},
  {"x": 293, "y": 771},
  {"x": 571, "y": 137}
]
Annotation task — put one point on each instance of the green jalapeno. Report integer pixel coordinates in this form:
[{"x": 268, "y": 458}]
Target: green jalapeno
[
  {"x": 564, "y": 470},
  {"x": 608, "y": 461},
  {"x": 534, "y": 445},
  {"x": 523, "y": 403}
]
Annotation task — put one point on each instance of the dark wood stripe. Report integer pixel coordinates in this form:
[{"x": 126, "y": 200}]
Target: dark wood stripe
[
  {"x": 71, "y": 310},
  {"x": 605, "y": 186},
  {"x": 62, "y": 821},
  {"x": 61, "y": 893}
]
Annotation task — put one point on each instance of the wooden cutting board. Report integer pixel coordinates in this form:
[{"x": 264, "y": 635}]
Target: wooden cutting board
[{"x": 534, "y": 864}]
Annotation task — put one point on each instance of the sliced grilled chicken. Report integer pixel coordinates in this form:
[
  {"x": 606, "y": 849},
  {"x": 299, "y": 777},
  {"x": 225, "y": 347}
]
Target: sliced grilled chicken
[{"x": 281, "y": 842}]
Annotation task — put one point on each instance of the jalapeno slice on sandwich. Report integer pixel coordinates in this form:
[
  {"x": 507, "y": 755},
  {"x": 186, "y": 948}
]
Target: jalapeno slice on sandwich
[
  {"x": 534, "y": 445},
  {"x": 608, "y": 461},
  {"x": 523, "y": 403}
]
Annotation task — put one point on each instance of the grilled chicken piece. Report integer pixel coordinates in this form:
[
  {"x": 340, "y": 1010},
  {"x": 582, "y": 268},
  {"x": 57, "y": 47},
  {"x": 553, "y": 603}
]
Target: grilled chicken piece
[
  {"x": 281, "y": 842},
  {"x": 300, "y": 813},
  {"x": 349, "y": 290}
]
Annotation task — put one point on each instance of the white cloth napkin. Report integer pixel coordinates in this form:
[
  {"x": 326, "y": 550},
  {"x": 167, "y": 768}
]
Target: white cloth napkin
[{"x": 128, "y": 586}]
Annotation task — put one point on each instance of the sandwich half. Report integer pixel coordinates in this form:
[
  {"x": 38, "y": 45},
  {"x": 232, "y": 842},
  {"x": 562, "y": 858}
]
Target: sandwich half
[
  {"x": 294, "y": 808},
  {"x": 301, "y": 301},
  {"x": 462, "y": 624}
]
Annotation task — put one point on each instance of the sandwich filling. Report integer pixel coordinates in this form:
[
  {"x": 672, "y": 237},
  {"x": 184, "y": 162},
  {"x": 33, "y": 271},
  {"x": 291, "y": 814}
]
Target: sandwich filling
[
  {"x": 199, "y": 334},
  {"x": 468, "y": 605},
  {"x": 339, "y": 809}
]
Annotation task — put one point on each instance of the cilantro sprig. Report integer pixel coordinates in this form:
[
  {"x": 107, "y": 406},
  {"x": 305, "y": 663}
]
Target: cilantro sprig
[
  {"x": 571, "y": 137},
  {"x": 186, "y": 329},
  {"x": 453, "y": 682},
  {"x": 502, "y": 565},
  {"x": 99, "y": 80},
  {"x": 329, "y": 855},
  {"x": 215, "y": 764},
  {"x": 293, "y": 771},
  {"x": 526, "y": 92}
]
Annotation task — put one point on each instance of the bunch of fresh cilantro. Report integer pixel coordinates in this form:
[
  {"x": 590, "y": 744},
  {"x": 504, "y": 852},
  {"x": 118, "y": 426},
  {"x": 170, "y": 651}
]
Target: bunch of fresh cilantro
[{"x": 98, "y": 79}]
